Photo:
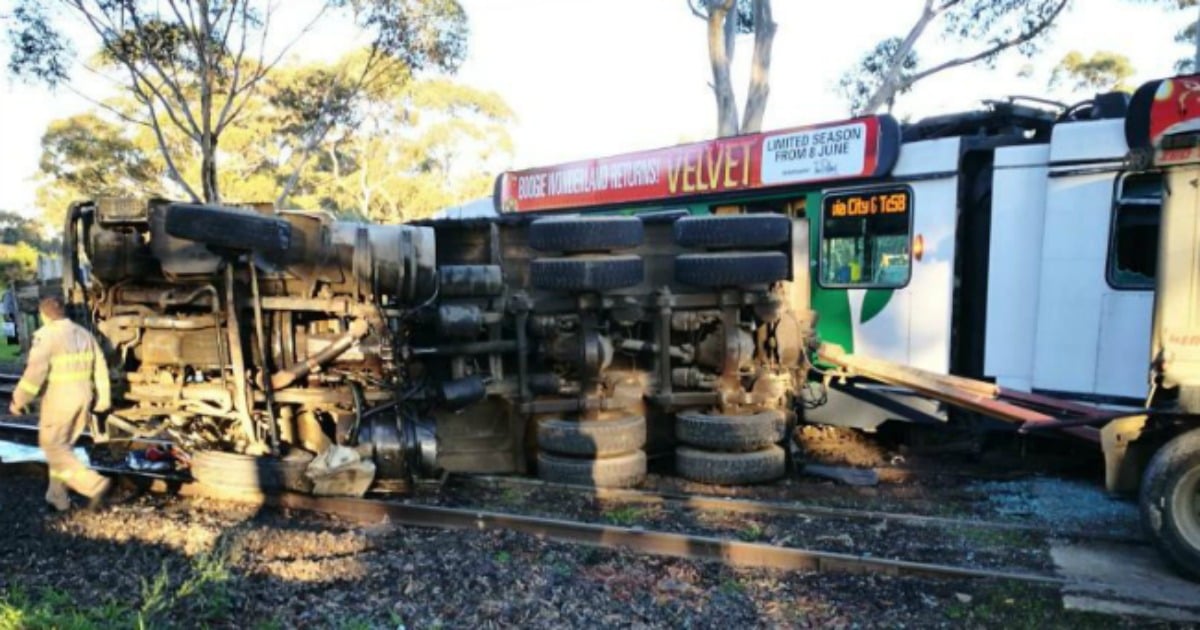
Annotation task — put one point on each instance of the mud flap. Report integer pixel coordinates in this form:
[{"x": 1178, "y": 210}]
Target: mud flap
[{"x": 1122, "y": 466}]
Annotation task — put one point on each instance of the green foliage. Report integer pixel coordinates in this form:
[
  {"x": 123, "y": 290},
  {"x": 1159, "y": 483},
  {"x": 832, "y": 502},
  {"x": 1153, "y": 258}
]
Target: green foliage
[
  {"x": 51, "y": 609},
  {"x": 39, "y": 51},
  {"x": 751, "y": 532},
  {"x": 991, "y": 27},
  {"x": 18, "y": 263},
  {"x": 1103, "y": 71},
  {"x": 406, "y": 149},
  {"x": 16, "y": 229},
  {"x": 626, "y": 515},
  {"x": 858, "y": 86},
  {"x": 86, "y": 156},
  {"x": 203, "y": 592},
  {"x": 189, "y": 69}
]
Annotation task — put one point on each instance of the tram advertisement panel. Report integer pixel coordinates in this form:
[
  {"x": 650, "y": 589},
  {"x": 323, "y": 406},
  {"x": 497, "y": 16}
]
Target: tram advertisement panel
[{"x": 861, "y": 147}]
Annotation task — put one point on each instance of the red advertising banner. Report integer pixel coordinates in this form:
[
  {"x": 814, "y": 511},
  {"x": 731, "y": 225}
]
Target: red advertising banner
[{"x": 861, "y": 147}]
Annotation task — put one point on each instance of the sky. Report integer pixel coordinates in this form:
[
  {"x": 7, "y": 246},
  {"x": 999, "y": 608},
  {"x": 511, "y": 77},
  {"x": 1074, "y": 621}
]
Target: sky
[{"x": 588, "y": 78}]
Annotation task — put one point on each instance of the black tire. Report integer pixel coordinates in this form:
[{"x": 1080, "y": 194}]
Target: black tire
[
  {"x": 738, "y": 230},
  {"x": 728, "y": 469},
  {"x": 585, "y": 234},
  {"x": 1169, "y": 502},
  {"x": 731, "y": 269},
  {"x": 731, "y": 433},
  {"x": 586, "y": 273},
  {"x": 229, "y": 228},
  {"x": 236, "y": 471},
  {"x": 601, "y": 438},
  {"x": 622, "y": 471}
]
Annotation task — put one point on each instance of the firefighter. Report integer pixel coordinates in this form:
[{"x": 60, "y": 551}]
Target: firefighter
[{"x": 68, "y": 361}]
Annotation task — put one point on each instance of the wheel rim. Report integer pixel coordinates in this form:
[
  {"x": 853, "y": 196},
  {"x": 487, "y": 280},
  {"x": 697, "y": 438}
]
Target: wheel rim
[{"x": 1185, "y": 506}]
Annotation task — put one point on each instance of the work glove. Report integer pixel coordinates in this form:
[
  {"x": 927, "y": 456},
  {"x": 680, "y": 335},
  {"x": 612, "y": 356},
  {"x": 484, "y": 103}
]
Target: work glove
[{"x": 16, "y": 409}]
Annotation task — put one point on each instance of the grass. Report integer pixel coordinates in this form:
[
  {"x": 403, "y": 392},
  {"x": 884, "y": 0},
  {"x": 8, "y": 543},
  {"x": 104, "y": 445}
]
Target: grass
[
  {"x": 1018, "y": 605},
  {"x": 50, "y": 608},
  {"x": 512, "y": 497},
  {"x": 732, "y": 587},
  {"x": 626, "y": 515},
  {"x": 8, "y": 353},
  {"x": 751, "y": 532},
  {"x": 203, "y": 592},
  {"x": 997, "y": 538},
  {"x": 202, "y": 596}
]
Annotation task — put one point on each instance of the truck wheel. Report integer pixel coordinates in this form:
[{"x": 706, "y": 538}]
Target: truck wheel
[
  {"x": 231, "y": 228},
  {"x": 592, "y": 437},
  {"x": 731, "y": 268},
  {"x": 621, "y": 471},
  {"x": 236, "y": 471},
  {"x": 739, "y": 230},
  {"x": 1170, "y": 502},
  {"x": 586, "y": 273},
  {"x": 731, "y": 433},
  {"x": 729, "y": 469},
  {"x": 585, "y": 234}
]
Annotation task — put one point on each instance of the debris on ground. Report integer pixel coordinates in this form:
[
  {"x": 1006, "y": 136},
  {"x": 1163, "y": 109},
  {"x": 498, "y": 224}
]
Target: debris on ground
[{"x": 844, "y": 474}]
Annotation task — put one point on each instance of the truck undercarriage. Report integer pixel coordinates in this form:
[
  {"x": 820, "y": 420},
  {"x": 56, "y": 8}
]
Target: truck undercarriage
[{"x": 577, "y": 343}]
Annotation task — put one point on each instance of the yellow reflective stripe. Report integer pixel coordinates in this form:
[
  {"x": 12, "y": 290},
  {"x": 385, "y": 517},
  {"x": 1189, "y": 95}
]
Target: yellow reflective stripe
[
  {"x": 70, "y": 375},
  {"x": 62, "y": 475},
  {"x": 28, "y": 387}
]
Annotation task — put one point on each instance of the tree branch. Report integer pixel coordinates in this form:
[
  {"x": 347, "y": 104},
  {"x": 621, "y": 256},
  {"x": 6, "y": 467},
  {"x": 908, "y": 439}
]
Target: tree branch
[
  {"x": 891, "y": 77},
  {"x": 996, "y": 48},
  {"x": 161, "y": 140}
]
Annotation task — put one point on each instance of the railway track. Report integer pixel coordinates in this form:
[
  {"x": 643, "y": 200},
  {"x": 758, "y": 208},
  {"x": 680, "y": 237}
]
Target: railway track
[
  {"x": 648, "y": 540},
  {"x": 706, "y": 548},
  {"x": 703, "y": 503},
  {"x": 730, "y": 551}
]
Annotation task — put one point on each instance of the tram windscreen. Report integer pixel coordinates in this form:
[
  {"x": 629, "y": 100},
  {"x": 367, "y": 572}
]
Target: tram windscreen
[{"x": 866, "y": 238}]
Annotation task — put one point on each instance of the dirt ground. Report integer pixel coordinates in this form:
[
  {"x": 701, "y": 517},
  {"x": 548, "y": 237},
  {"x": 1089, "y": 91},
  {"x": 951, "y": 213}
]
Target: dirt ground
[{"x": 170, "y": 562}]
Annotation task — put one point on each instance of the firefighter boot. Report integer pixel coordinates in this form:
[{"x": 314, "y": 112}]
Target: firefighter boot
[
  {"x": 101, "y": 497},
  {"x": 57, "y": 497}
]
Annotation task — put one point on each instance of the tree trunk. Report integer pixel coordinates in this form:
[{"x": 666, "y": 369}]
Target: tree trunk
[
  {"x": 208, "y": 171},
  {"x": 720, "y": 47},
  {"x": 208, "y": 139},
  {"x": 760, "y": 68}
]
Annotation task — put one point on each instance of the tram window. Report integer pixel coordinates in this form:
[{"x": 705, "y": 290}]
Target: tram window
[
  {"x": 865, "y": 239},
  {"x": 1133, "y": 247}
]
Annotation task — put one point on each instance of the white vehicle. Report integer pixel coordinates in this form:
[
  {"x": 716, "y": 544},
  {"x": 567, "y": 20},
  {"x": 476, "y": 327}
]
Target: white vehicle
[{"x": 1028, "y": 260}]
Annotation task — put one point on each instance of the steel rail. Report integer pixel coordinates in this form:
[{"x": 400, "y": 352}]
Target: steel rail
[
  {"x": 705, "y": 548},
  {"x": 776, "y": 508},
  {"x": 25, "y": 432},
  {"x": 638, "y": 540}
]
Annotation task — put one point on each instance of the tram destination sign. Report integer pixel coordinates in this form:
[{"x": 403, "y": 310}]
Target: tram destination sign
[{"x": 850, "y": 149}]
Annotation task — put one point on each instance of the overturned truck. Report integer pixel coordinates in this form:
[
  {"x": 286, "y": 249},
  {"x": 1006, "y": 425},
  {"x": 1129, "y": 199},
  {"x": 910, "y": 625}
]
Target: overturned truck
[{"x": 256, "y": 340}]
